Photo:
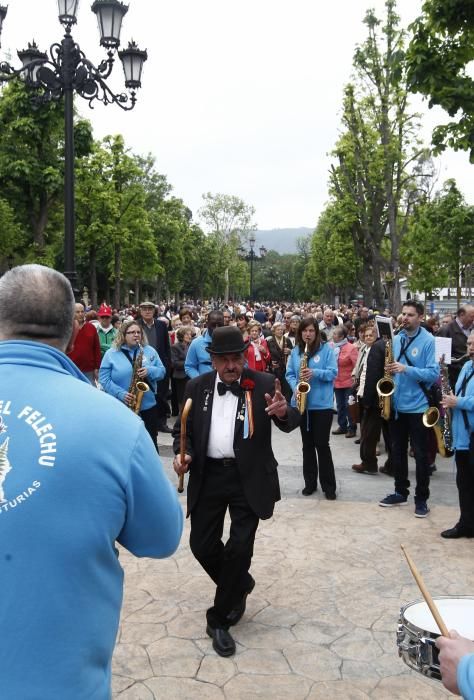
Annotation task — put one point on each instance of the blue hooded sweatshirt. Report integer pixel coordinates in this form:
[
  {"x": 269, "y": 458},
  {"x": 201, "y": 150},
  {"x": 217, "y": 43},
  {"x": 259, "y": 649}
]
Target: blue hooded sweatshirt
[
  {"x": 409, "y": 396},
  {"x": 461, "y": 435},
  {"x": 324, "y": 366},
  {"x": 198, "y": 360},
  {"x": 465, "y": 677},
  {"x": 78, "y": 473}
]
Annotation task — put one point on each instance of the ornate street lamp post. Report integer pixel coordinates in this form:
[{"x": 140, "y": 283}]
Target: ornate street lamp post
[
  {"x": 67, "y": 71},
  {"x": 252, "y": 256}
]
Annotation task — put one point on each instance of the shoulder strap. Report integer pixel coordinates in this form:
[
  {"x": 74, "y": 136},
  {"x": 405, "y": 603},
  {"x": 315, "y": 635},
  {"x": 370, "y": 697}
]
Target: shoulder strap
[
  {"x": 404, "y": 348},
  {"x": 462, "y": 392}
]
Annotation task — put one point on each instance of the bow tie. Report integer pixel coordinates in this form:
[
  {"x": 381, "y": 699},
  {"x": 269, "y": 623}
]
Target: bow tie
[{"x": 223, "y": 388}]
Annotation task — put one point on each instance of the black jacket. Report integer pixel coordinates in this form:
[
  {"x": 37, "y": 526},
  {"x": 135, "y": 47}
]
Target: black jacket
[
  {"x": 162, "y": 347},
  {"x": 458, "y": 349},
  {"x": 374, "y": 372},
  {"x": 178, "y": 357},
  {"x": 255, "y": 459}
]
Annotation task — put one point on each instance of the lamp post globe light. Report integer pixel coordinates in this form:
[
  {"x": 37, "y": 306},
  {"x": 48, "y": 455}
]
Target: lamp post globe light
[{"x": 66, "y": 71}]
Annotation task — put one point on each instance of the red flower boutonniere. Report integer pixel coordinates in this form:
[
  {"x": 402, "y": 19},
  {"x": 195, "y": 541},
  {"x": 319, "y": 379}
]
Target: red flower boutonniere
[{"x": 248, "y": 385}]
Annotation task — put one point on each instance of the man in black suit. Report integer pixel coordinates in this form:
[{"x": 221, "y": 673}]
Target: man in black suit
[
  {"x": 458, "y": 330},
  {"x": 231, "y": 465},
  {"x": 157, "y": 335},
  {"x": 371, "y": 419}
]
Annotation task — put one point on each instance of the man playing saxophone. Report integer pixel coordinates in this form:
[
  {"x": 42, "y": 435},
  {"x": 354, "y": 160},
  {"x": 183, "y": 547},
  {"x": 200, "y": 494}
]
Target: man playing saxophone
[
  {"x": 414, "y": 365},
  {"x": 121, "y": 363},
  {"x": 461, "y": 405}
]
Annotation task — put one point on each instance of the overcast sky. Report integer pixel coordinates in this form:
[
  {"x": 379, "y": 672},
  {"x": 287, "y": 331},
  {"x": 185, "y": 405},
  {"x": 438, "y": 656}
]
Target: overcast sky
[{"x": 242, "y": 98}]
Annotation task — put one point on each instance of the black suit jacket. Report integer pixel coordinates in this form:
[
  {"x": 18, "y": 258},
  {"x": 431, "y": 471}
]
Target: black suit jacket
[
  {"x": 255, "y": 459},
  {"x": 458, "y": 349},
  {"x": 163, "y": 347},
  {"x": 374, "y": 371}
]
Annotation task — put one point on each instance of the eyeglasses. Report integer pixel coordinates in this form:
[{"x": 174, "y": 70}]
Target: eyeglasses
[{"x": 133, "y": 333}]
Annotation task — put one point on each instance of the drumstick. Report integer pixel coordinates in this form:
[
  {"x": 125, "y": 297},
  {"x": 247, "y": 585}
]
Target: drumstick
[
  {"x": 425, "y": 593},
  {"x": 182, "y": 440}
]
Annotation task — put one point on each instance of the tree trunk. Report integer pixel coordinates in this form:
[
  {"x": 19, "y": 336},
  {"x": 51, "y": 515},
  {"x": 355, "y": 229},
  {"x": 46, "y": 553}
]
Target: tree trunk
[
  {"x": 117, "y": 273},
  {"x": 93, "y": 274},
  {"x": 226, "y": 284},
  {"x": 137, "y": 291}
]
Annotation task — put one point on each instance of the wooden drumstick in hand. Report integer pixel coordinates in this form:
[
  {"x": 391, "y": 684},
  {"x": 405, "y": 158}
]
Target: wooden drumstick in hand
[
  {"x": 182, "y": 440},
  {"x": 425, "y": 593}
]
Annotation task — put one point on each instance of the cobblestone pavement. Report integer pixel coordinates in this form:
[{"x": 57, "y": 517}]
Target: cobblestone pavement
[{"x": 321, "y": 621}]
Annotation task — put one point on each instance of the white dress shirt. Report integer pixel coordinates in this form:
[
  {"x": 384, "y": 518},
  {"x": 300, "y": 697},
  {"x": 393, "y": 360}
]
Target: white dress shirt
[{"x": 221, "y": 433}]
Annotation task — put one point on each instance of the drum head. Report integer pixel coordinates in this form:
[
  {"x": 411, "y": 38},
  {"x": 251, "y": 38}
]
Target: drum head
[{"x": 457, "y": 614}]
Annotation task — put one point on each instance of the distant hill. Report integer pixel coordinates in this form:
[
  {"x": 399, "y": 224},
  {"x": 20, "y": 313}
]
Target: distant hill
[{"x": 283, "y": 240}]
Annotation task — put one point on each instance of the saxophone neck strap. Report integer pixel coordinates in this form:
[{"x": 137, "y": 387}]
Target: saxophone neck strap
[
  {"x": 128, "y": 355},
  {"x": 404, "y": 348},
  {"x": 462, "y": 392}
]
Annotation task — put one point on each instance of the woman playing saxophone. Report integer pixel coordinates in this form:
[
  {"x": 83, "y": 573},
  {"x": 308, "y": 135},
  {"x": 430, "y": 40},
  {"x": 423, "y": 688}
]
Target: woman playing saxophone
[
  {"x": 128, "y": 361},
  {"x": 314, "y": 362}
]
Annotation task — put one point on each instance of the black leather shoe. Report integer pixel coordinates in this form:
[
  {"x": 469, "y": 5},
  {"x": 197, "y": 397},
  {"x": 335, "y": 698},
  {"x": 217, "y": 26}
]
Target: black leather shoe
[
  {"x": 330, "y": 495},
  {"x": 454, "y": 533},
  {"x": 236, "y": 614},
  {"x": 163, "y": 428},
  {"x": 307, "y": 491},
  {"x": 222, "y": 641}
]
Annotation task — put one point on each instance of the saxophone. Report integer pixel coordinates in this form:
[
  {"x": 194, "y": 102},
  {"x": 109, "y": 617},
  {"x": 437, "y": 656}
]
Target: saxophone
[
  {"x": 302, "y": 388},
  {"x": 137, "y": 387},
  {"x": 386, "y": 385},
  {"x": 445, "y": 444}
]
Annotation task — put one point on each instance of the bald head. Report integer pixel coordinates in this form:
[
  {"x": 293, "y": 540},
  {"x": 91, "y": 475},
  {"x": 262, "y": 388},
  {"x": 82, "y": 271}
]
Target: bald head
[{"x": 36, "y": 303}]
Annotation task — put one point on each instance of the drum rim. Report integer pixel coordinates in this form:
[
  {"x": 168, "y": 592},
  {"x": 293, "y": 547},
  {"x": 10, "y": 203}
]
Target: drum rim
[{"x": 419, "y": 630}]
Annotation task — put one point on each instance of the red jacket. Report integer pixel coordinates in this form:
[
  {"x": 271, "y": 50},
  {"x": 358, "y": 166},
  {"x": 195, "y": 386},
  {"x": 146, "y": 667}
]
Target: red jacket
[
  {"x": 86, "y": 350},
  {"x": 345, "y": 364},
  {"x": 262, "y": 364}
]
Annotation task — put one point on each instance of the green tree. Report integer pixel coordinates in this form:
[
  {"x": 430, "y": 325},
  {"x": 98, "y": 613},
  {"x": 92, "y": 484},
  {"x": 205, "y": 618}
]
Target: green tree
[
  {"x": 230, "y": 221},
  {"x": 439, "y": 248},
  {"x": 31, "y": 166},
  {"x": 333, "y": 269},
  {"x": 378, "y": 157},
  {"x": 12, "y": 238},
  {"x": 439, "y": 55}
]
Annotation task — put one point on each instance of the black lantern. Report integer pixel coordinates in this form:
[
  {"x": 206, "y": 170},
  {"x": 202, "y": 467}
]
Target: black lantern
[
  {"x": 32, "y": 53},
  {"x": 132, "y": 60},
  {"x": 3, "y": 14},
  {"x": 263, "y": 251},
  {"x": 110, "y": 14},
  {"x": 252, "y": 241},
  {"x": 64, "y": 72},
  {"x": 67, "y": 11}
]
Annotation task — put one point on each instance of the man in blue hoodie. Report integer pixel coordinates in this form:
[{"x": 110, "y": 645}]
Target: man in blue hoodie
[
  {"x": 198, "y": 360},
  {"x": 414, "y": 369},
  {"x": 69, "y": 490}
]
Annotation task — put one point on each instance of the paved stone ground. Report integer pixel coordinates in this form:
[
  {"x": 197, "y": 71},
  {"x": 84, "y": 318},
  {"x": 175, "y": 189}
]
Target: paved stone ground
[{"x": 322, "y": 619}]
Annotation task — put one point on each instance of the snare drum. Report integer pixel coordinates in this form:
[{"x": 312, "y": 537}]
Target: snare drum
[{"x": 417, "y": 631}]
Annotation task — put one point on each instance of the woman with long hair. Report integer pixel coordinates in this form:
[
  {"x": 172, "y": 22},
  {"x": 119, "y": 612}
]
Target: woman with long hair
[
  {"x": 116, "y": 370},
  {"x": 316, "y": 422},
  {"x": 280, "y": 349},
  {"x": 179, "y": 350}
]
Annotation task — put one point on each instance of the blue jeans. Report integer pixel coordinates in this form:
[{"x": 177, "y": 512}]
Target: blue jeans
[{"x": 343, "y": 419}]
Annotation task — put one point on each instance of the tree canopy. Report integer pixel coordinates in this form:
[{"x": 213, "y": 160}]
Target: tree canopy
[{"x": 438, "y": 56}]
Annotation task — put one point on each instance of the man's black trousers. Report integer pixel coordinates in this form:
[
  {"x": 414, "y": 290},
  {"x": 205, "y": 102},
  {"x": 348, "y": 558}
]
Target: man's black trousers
[{"x": 228, "y": 565}]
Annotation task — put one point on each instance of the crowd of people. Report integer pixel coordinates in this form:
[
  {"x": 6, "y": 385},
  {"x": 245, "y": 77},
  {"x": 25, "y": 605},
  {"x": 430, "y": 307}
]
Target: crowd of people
[{"x": 239, "y": 369}]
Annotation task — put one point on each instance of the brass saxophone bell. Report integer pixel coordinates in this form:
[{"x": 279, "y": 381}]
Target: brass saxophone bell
[{"x": 430, "y": 417}]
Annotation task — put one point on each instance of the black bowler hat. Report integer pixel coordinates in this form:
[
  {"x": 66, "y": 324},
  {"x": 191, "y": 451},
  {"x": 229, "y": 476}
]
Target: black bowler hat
[{"x": 227, "y": 340}]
